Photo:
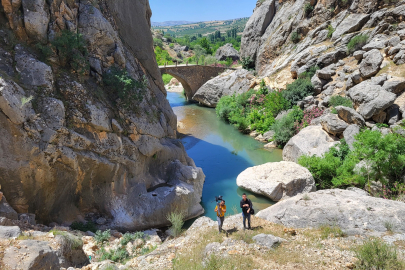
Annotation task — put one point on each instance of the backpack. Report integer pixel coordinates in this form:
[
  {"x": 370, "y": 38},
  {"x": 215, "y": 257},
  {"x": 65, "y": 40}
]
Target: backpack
[{"x": 252, "y": 211}]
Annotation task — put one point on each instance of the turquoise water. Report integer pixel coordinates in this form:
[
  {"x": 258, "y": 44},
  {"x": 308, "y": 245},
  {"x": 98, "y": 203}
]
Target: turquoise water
[{"x": 221, "y": 151}]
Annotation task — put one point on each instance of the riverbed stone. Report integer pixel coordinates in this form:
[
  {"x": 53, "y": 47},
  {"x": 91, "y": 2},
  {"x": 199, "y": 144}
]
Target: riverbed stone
[
  {"x": 353, "y": 212},
  {"x": 312, "y": 140},
  {"x": 277, "y": 180}
]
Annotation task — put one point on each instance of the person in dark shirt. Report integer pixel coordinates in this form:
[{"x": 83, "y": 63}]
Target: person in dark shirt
[{"x": 246, "y": 205}]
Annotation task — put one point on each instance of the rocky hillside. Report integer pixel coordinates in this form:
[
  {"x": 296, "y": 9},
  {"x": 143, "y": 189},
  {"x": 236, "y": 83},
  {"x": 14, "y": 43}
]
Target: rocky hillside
[{"x": 86, "y": 130}]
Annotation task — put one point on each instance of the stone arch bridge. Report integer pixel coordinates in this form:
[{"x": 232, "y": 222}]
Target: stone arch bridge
[{"x": 192, "y": 77}]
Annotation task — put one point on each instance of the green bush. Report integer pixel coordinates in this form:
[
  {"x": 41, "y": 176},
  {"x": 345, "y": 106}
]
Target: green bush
[
  {"x": 284, "y": 128},
  {"x": 177, "y": 221},
  {"x": 331, "y": 30},
  {"x": 308, "y": 8},
  {"x": 166, "y": 78},
  {"x": 124, "y": 87},
  {"x": 295, "y": 37},
  {"x": 298, "y": 90},
  {"x": 116, "y": 255},
  {"x": 376, "y": 254},
  {"x": 340, "y": 101},
  {"x": 129, "y": 237},
  {"x": 157, "y": 42},
  {"x": 385, "y": 155},
  {"x": 357, "y": 42},
  {"x": 228, "y": 62},
  {"x": 45, "y": 51},
  {"x": 84, "y": 227},
  {"x": 171, "y": 45},
  {"x": 247, "y": 63},
  {"x": 102, "y": 237},
  {"x": 72, "y": 50}
]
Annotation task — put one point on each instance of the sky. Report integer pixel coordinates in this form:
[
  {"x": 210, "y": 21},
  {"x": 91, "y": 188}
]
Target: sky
[{"x": 200, "y": 10}]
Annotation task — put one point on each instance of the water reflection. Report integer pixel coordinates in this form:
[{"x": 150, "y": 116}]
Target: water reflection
[{"x": 221, "y": 151}]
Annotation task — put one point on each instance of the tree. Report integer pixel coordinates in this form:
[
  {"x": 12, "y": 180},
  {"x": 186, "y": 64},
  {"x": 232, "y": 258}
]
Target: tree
[
  {"x": 199, "y": 51},
  {"x": 205, "y": 45}
]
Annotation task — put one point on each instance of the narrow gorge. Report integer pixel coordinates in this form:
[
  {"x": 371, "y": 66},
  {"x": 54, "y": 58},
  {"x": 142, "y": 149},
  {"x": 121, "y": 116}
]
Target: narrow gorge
[{"x": 117, "y": 132}]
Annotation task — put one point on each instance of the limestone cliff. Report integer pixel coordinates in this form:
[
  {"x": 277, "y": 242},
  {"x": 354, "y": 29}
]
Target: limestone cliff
[{"x": 70, "y": 142}]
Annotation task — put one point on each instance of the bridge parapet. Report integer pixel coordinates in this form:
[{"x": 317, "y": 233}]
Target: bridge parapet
[{"x": 192, "y": 77}]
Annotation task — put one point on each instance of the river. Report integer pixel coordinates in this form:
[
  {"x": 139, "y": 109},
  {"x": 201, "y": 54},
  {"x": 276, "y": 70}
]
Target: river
[{"x": 221, "y": 151}]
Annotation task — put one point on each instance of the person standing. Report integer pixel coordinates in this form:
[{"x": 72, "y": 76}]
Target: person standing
[
  {"x": 220, "y": 214},
  {"x": 246, "y": 206}
]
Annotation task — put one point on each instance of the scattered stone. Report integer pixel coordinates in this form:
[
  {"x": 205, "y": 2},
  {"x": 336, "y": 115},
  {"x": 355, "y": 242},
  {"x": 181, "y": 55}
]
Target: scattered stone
[
  {"x": 277, "y": 180},
  {"x": 332, "y": 124},
  {"x": 370, "y": 65},
  {"x": 350, "y": 115},
  {"x": 395, "y": 85},
  {"x": 267, "y": 240}
]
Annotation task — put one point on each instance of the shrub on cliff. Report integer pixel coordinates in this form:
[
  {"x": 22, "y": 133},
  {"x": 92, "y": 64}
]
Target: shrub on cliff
[
  {"x": 124, "y": 87},
  {"x": 298, "y": 90},
  {"x": 340, "y": 101},
  {"x": 72, "y": 50},
  {"x": 308, "y": 8},
  {"x": 284, "y": 128},
  {"x": 357, "y": 42},
  {"x": 295, "y": 37}
]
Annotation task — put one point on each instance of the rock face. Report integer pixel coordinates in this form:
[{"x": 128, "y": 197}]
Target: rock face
[
  {"x": 255, "y": 28},
  {"x": 312, "y": 140},
  {"x": 277, "y": 180},
  {"x": 68, "y": 145},
  {"x": 228, "y": 83},
  {"x": 353, "y": 212},
  {"x": 227, "y": 51}
]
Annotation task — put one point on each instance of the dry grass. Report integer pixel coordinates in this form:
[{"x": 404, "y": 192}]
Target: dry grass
[{"x": 306, "y": 250}]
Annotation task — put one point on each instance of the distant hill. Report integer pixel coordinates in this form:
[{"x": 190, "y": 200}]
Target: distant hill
[
  {"x": 169, "y": 23},
  {"x": 203, "y": 28}
]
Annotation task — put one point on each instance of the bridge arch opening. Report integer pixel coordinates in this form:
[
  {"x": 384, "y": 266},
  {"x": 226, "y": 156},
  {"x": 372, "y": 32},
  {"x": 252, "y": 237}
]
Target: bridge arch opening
[{"x": 187, "y": 88}]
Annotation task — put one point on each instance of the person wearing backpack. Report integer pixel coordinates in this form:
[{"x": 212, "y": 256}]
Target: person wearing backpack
[{"x": 247, "y": 208}]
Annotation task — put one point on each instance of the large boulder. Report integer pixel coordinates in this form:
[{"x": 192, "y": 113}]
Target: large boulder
[
  {"x": 351, "y": 23},
  {"x": 312, "y": 140},
  {"x": 350, "y": 115},
  {"x": 227, "y": 51},
  {"x": 332, "y": 124},
  {"x": 400, "y": 102},
  {"x": 353, "y": 212},
  {"x": 256, "y": 27},
  {"x": 370, "y": 65},
  {"x": 370, "y": 99},
  {"x": 36, "y": 19},
  {"x": 395, "y": 85},
  {"x": 9, "y": 232},
  {"x": 228, "y": 83},
  {"x": 277, "y": 180},
  {"x": 31, "y": 255}
]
